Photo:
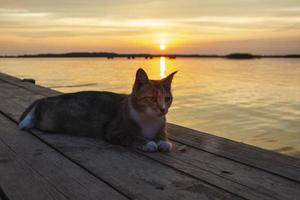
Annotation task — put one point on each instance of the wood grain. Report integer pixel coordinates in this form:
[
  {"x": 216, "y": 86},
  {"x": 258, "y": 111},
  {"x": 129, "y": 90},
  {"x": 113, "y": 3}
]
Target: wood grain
[
  {"x": 29, "y": 169},
  {"x": 269, "y": 161}
]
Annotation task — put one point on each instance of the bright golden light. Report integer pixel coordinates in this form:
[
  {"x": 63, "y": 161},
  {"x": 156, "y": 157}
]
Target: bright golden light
[
  {"x": 162, "y": 67},
  {"x": 162, "y": 47}
]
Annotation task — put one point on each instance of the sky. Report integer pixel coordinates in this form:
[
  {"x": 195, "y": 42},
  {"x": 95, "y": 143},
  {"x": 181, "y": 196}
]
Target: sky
[{"x": 141, "y": 26}]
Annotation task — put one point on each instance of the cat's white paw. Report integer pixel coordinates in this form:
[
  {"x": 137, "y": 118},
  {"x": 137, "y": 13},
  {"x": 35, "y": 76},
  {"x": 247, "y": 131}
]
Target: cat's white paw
[
  {"x": 164, "y": 146},
  {"x": 150, "y": 147}
]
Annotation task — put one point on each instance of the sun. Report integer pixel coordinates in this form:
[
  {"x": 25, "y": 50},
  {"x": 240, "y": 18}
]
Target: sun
[{"x": 162, "y": 47}]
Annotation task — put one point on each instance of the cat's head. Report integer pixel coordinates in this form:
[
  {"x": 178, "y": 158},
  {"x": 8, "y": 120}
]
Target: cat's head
[{"x": 152, "y": 97}]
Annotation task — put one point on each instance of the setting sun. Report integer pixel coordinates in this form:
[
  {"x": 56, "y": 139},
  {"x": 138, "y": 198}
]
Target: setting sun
[{"x": 162, "y": 47}]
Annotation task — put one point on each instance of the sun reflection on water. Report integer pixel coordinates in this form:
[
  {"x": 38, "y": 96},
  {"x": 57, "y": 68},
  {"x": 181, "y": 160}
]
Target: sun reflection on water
[{"x": 162, "y": 67}]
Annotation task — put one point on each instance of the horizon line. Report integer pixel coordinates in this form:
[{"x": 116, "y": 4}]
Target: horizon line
[{"x": 114, "y": 54}]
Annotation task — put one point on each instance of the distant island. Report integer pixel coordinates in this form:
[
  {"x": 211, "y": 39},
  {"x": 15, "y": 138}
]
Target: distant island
[{"x": 110, "y": 55}]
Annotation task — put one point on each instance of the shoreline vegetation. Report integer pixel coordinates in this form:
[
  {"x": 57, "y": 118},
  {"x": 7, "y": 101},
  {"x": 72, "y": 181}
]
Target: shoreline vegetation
[{"x": 110, "y": 55}]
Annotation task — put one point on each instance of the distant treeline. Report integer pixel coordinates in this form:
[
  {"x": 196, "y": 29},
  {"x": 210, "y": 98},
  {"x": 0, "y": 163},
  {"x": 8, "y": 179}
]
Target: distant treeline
[{"x": 149, "y": 56}]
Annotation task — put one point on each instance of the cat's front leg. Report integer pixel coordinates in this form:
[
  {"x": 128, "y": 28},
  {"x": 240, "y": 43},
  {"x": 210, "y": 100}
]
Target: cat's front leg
[
  {"x": 163, "y": 144},
  {"x": 145, "y": 145},
  {"x": 150, "y": 146}
]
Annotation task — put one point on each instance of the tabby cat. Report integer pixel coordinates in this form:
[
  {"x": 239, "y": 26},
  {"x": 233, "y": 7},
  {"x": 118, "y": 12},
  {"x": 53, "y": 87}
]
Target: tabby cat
[{"x": 137, "y": 120}]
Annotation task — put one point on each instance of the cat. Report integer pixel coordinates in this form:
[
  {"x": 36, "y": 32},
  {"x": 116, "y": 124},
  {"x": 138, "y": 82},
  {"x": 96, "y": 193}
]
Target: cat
[{"x": 137, "y": 120}]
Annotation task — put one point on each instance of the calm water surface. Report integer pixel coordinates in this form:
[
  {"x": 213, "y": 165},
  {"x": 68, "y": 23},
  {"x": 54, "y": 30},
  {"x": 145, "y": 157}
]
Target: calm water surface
[{"x": 253, "y": 101}]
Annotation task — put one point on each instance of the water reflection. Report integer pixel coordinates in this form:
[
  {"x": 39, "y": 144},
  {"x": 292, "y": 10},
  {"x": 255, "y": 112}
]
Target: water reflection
[{"x": 162, "y": 67}]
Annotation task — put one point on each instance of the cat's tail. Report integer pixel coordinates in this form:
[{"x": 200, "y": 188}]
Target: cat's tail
[{"x": 27, "y": 119}]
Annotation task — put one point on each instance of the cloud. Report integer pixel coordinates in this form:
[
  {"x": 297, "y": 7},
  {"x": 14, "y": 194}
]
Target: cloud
[
  {"x": 212, "y": 21},
  {"x": 21, "y": 13},
  {"x": 286, "y": 9},
  {"x": 8, "y": 10},
  {"x": 239, "y": 19}
]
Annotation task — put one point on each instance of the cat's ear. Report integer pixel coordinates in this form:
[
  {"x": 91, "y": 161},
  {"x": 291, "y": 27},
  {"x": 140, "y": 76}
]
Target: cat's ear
[
  {"x": 168, "y": 80},
  {"x": 141, "y": 79}
]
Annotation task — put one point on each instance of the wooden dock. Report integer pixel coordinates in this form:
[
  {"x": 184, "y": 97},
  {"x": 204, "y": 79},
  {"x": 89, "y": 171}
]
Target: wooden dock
[{"x": 41, "y": 166}]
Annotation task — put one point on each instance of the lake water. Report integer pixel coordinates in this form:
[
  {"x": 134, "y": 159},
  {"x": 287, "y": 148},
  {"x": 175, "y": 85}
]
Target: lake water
[{"x": 252, "y": 101}]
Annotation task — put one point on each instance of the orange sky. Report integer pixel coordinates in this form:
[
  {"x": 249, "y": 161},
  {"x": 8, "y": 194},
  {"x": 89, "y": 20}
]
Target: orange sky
[{"x": 215, "y": 26}]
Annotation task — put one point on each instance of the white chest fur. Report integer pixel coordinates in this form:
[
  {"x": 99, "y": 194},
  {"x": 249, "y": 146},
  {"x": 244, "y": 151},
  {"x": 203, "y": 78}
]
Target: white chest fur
[{"x": 149, "y": 125}]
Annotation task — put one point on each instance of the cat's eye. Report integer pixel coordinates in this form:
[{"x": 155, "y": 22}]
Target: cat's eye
[
  {"x": 151, "y": 98},
  {"x": 167, "y": 99}
]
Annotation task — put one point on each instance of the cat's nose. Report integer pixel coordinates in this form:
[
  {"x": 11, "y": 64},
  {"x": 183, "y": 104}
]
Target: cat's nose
[{"x": 163, "y": 110}]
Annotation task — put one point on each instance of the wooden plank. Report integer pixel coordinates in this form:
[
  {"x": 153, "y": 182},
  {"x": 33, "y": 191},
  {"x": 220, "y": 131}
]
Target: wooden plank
[
  {"x": 31, "y": 186},
  {"x": 227, "y": 174},
  {"x": 269, "y": 161},
  {"x": 2, "y": 195},
  {"x": 248, "y": 182},
  {"x": 15, "y": 98},
  {"x": 133, "y": 174},
  {"x": 30, "y": 169},
  {"x": 37, "y": 89},
  {"x": 286, "y": 166},
  {"x": 258, "y": 188},
  {"x": 117, "y": 164}
]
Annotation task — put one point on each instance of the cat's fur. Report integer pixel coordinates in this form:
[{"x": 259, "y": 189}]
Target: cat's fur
[{"x": 136, "y": 120}]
